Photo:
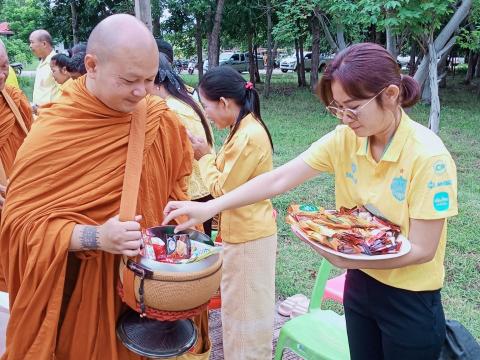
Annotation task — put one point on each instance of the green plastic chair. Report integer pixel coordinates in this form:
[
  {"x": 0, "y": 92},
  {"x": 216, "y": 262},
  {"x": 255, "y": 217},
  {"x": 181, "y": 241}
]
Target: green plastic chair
[{"x": 318, "y": 334}]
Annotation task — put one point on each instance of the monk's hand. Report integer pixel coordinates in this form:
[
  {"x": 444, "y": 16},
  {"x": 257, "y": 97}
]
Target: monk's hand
[
  {"x": 199, "y": 146},
  {"x": 196, "y": 212},
  {"x": 121, "y": 237}
]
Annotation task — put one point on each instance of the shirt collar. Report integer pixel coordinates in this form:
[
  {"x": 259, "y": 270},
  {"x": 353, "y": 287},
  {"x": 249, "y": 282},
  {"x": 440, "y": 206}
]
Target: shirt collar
[{"x": 395, "y": 146}]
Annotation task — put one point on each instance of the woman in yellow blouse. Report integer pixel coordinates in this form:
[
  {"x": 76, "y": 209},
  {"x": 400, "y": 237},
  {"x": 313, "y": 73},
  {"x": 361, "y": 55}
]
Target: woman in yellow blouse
[
  {"x": 382, "y": 158},
  {"x": 249, "y": 233},
  {"x": 171, "y": 88}
]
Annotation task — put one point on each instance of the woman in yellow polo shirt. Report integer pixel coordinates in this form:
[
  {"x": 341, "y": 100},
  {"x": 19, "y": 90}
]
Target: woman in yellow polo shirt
[
  {"x": 382, "y": 158},
  {"x": 249, "y": 233},
  {"x": 171, "y": 88}
]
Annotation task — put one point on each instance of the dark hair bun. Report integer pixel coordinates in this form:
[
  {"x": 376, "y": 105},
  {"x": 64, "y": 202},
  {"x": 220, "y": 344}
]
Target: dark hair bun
[{"x": 410, "y": 91}]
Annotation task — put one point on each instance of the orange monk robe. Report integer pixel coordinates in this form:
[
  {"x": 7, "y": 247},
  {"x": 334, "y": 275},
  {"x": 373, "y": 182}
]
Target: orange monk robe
[
  {"x": 70, "y": 171},
  {"x": 12, "y": 135}
]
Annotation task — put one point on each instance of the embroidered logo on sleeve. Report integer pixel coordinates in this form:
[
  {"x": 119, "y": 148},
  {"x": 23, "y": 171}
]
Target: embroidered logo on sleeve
[
  {"x": 439, "y": 167},
  {"x": 399, "y": 188},
  {"x": 441, "y": 201}
]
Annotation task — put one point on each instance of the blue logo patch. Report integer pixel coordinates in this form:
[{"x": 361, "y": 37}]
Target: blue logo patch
[
  {"x": 439, "y": 167},
  {"x": 441, "y": 201},
  {"x": 399, "y": 188},
  {"x": 351, "y": 175}
]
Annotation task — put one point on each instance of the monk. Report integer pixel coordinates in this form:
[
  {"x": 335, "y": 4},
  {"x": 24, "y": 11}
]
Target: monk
[
  {"x": 12, "y": 132},
  {"x": 61, "y": 238}
]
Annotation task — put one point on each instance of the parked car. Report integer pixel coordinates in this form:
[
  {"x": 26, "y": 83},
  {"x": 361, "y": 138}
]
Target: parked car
[
  {"x": 290, "y": 63},
  {"x": 239, "y": 61}
]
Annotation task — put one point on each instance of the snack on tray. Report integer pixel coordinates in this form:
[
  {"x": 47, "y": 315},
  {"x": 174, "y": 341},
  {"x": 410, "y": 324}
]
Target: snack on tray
[{"x": 350, "y": 231}]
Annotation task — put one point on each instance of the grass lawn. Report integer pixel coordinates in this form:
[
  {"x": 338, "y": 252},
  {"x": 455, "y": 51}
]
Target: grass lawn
[{"x": 296, "y": 119}]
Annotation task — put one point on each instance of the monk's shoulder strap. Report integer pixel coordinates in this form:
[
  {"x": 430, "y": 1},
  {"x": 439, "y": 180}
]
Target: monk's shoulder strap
[{"x": 15, "y": 111}]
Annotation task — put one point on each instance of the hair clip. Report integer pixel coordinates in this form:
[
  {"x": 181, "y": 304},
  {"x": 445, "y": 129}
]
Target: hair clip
[{"x": 248, "y": 85}]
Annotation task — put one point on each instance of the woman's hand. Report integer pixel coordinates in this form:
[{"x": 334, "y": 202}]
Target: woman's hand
[
  {"x": 196, "y": 212},
  {"x": 199, "y": 145}
]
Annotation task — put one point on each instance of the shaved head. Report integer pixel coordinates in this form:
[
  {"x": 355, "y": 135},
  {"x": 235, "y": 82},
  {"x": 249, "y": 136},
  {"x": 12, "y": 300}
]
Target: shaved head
[
  {"x": 121, "y": 62},
  {"x": 42, "y": 35},
  {"x": 119, "y": 33}
]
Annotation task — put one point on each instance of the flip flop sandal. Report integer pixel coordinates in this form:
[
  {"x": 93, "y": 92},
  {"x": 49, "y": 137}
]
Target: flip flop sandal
[
  {"x": 286, "y": 306},
  {"x": 300, "y": 308}
]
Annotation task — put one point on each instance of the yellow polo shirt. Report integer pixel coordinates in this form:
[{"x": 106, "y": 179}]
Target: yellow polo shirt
[
  {"x": 12, "y": 78},
  {"x": 247, "y": 155},
  {"x": 190, "y": 119},
  {"x": 45, "y": 89},
  {"x": 415, "y": 178}
]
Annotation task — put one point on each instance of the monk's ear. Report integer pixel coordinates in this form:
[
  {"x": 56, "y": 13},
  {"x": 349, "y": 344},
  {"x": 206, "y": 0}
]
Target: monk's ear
[{"x": 91, "y": 65}]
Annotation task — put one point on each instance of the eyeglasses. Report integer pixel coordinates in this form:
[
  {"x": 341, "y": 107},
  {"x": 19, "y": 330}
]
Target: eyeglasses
[{"x": 350, "y": 113}]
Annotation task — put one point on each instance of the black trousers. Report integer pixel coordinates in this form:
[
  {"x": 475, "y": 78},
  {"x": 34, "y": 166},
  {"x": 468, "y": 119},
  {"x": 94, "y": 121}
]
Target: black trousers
[
  {"x": 207, "y": 225},
  {"x": 384, "y": 322}
]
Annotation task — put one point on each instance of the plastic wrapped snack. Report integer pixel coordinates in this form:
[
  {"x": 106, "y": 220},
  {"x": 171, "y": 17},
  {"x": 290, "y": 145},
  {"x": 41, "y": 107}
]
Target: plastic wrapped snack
[{"x": 170, "y": 249}]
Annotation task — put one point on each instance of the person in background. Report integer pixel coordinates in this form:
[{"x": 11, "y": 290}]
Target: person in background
[
  {"x": 380, "y": 158},
  {"x": 45, "y": 88},
  {"x": 171, "y": 88},
  {"x": 167, "y": 49},
  {"x": 76, "y": 65},
  {"x": 249, "y": 233},
  {"x": 58, "y": 64},
  {"x": 12, "y": 78}
]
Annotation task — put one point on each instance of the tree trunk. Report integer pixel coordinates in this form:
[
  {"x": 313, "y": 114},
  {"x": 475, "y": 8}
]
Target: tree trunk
[
  {"x": 198, "y": 45},
  {"x": 477, "y": 67},
  {"x": 412, "y": 63},
  {"x": 214, "y": 43},
  {"x": 73, "y": 8},
  {"x": 391, "y": 42},
  {"x": 341, "y": 36},
  {"x": 258, "y": 80},
  {"x": 143, "y": 12},
  {"x": 251, "y": 65},
  {"x": 301, "y": 68},
  {"x": 297, "y": 50},
  {"x": 442, "y": 71},
  {"x": 443, "y": 39},
  {"x": 325, "y": 29},
  {"x": 472, "y": 63},
  {"x": 434, "y": 120},
  {"x": 315, "y": 53},
  {"x": 270, "y": 59}
]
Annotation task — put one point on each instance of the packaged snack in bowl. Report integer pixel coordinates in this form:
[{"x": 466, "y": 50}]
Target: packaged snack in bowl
[
  {"x": 175, "y": 248},
  {"x": 169, "y": 249}
]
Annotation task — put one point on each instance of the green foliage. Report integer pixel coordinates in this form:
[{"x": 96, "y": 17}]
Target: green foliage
[
  {"x": 58, "y": 20},
  {"x": 469, "y": 39},
  {"x": 18, "y": 50},
  {"x": 23, "y": 17}
]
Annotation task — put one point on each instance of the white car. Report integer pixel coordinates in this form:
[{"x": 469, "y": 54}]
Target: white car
[{"x": 290, "y": 63}]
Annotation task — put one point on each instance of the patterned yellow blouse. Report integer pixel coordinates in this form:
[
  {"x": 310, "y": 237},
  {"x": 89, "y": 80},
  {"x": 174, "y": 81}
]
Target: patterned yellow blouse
[{"x": 190, "y": 119}]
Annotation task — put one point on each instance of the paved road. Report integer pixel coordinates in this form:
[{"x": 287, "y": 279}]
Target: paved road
[{"x": 28, "y": 73}]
